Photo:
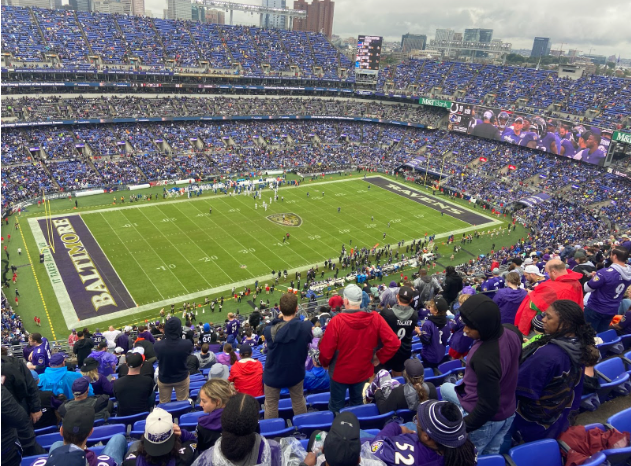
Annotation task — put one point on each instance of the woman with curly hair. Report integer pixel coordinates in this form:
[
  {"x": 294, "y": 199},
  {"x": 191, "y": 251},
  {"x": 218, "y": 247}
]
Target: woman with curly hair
[
  {"x": 550, "y": 382},
  {"x": 240, "y": 442}
]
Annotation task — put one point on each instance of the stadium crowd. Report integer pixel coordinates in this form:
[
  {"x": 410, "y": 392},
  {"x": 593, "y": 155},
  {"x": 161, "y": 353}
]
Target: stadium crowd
[{"x": 524, "y": 317}]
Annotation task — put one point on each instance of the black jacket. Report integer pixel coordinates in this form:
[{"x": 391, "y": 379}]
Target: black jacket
[
  {"x": 255, "y": 319},
  {"x": 453, "y": 286},
  {"x": 17, "y": 430},
  {"x": 20, "y": 382},
  {"x": 100, "y": 403},
  {"x": 82, "y": 348},
  {"x": 396, "y": 400},
  {"x": 172, "y": 352}
]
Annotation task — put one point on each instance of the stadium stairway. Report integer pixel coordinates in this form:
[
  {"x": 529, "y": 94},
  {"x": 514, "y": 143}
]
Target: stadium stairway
[{"x": 83, "y": 34}]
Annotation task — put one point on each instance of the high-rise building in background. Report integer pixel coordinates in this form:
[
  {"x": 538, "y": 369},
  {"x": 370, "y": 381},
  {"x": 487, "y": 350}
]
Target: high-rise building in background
[
  {"x": 198, "y": 13},
  {"x": 36, "y": 3},
  {"x": 411, "y": 42},
  {"x": 478, "y": 35},
  {"x": 272, "y": 21},
  {"x": 444, "y": 34},
  {"x": 81, "y": 5},
  {"x": 138, "y": 7},
  {"x": 215, "y": 17},
  {"x": 110, "y": 6},
  {"x": 319, "y": 16},
  {"x": 179, "y": 9},
  {"x": 540, "y": 47},
  {"x": 457, "y": 37}
]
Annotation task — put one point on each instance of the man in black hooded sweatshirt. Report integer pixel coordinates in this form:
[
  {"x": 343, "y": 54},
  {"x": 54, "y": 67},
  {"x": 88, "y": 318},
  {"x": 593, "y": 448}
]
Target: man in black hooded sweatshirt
[
  {"x": 172, "y": 352},
  {"x": 487, "y": 393}
]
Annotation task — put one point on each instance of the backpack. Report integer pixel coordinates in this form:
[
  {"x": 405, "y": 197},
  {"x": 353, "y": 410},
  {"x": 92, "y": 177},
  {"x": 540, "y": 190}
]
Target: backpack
[{"x": 426, "y": 291}]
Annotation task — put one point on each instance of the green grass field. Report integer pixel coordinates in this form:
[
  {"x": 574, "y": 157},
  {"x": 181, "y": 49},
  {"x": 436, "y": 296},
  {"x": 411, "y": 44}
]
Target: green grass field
[{"x": 166, "y": 250}]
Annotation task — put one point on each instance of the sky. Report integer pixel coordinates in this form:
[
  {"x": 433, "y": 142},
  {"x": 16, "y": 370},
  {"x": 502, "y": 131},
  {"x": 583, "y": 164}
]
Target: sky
[{"x": 579, "y": 24}]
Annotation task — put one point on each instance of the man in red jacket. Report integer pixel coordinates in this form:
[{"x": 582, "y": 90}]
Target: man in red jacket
[
  {"x": 348, "y": 347},
  {"x": 247, "y": 374},
  {"x": 563, "y": 284}
]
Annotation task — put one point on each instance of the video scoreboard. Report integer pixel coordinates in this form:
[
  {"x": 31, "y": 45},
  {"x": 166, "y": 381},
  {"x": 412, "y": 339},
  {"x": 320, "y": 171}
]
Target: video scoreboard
[{"x": 368, "y": 53}]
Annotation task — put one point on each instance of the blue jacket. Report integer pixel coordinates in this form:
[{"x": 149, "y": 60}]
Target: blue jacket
[
  {"x": 59, "y": 380},
  {"x": 287, "y": 348},
  {"x": 317, "y": 379}
]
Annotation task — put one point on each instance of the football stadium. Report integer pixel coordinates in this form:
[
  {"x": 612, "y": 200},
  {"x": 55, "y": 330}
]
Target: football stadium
[{"x": 302, "y": 249}]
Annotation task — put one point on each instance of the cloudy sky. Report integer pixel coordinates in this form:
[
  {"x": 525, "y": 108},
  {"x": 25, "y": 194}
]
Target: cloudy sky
[{"x": 580, "y": 24}]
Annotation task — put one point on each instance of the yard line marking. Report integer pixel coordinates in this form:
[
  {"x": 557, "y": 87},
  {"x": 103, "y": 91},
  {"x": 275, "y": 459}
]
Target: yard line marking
[{"x": 131, "y": 254}]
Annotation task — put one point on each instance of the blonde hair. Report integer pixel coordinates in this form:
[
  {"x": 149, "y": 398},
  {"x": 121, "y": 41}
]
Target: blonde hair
[
  {"x": 219, "y": 390},
  {"x": 463, "y": 297},
  {"x": 93, "y": 375}
]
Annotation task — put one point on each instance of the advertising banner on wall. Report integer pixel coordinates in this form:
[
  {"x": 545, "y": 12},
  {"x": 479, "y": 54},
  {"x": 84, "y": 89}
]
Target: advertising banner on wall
[{"x": 556, "y": 136}]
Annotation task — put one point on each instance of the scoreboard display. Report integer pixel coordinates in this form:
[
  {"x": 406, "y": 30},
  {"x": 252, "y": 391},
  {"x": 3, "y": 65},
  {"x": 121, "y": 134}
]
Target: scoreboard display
[{"x": 368, "y": 52}]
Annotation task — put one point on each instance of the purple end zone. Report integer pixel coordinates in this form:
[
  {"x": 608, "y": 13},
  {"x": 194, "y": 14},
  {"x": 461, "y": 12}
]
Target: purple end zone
[
  {"x": 430, "y": 201},
  {"x": 94, "y": 287}
]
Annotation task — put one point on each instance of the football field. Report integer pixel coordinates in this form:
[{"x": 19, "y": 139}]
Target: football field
[{"x": 116, "y": 262}]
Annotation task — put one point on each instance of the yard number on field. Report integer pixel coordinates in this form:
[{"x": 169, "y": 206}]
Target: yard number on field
[{"x": 162, "y": 267}]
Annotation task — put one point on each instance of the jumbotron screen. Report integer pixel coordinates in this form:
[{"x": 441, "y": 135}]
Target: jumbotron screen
[{"x": 368, "y": 52}]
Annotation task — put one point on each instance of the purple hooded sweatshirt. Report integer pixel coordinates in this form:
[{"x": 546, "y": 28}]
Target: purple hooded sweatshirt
[{"x": 509, "y": 300}]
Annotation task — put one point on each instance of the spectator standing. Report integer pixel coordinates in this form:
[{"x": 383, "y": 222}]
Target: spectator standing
[
  {"x": 134, "y": 392},
  {"x": 607, "y": 288},
  {"x": 213, "y": 397},
  {"x": 122, "y": 340},
  {"x": 487, "y": 392},
  {"x": 453, "y": 284},
  {"x": 72, "y": 338},
  {"x": 434, "y": 333},
  {"x": 148, "y": 350},
  {"x": 288, "y": 341},
  {"x": 111, "y": 336},
  {"x": 563, "y": 284},
  {"x": 247, "y": 373},
  {"x": 550, "y": 382},
  {"x": 21, "y": 384},
  {"x": 18, "y": 437},
  {"x": 83, "y": 347},
  {"x": 402, "y": 319},
  {"x": 427, "y": 286},
  {"x": 172, "y": 352},
  {"x": 583, "y": 266},
  {"x": 508, "y": 299},
  {"x": 347, "y": 349},
  {"x": 107, "y": 361},
  {"x": 40, "y": 355}
]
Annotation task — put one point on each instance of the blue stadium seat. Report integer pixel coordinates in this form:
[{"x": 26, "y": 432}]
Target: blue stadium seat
[
  {"x": 189, "y": 421},
  {"x": 542, "y": 452},
  {"x": 612, "y": 343},
  {"x": 369, "y": 417},
  {"x": 320, "y": 401},
  {"x": 590, "y": 402},
  {"x": 613, "y": 379},
  {"x": 128, "y": 420},
  {"x": 406, "y": 414},
  {"x": 626, "y": 341},
  {"x": 29, "y": 460},
  {"x": 104, "y": 433},
  {"x": 138, "y": 429},
  {"x": 275, "y": 428},
  {"x": 47, "y": 440},
  {"x": 621, "y": 420},
  {"x": 417, "y": 347},
  {"x": 614, "y": 456},
  {"x": 491, "y": 460},
  {"x": 46, "y": 430},
  {"x": 285, "y": 409},
  {"x": 176, "y": 408},
  {"x": 309, "y": 422}
]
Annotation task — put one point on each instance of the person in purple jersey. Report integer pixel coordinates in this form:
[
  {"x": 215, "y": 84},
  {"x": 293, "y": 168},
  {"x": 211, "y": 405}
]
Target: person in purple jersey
[
  {"x": 591, "y": 154},
  {"x": 97, "y": 337},
  {"x": 624, "y": 326},
  {"x": 552, "y": 129},
  {"x": 550, "y": 380},
  {"x": 435, "y": 333},
  {"x": 490, "y": 286},
  {"x": 39, "y": 357},
  {"x": 509, "y": 299},
  {"x": 513, "y": 134},
  {"x": 529, "y": 138},
  {"x": 440, "y": 439},
  {"x": 76, "y": 427},
  {"x": 232, "y": 326},
  {"x": 607, "y": 288},
  {"x": 568, "y": 147}
]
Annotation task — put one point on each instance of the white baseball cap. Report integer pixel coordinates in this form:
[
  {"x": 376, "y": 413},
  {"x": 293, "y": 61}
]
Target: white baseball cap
[
  {"x": 533, "y": 269},
  {"x": 159, "y": 438}
]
